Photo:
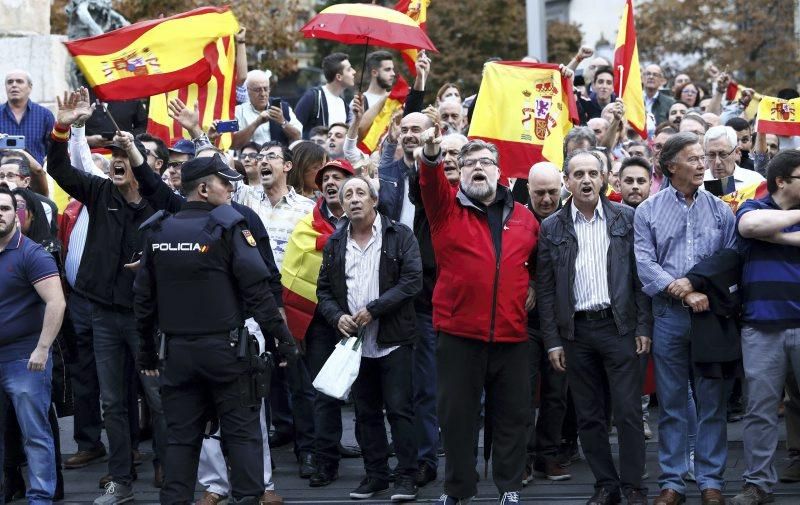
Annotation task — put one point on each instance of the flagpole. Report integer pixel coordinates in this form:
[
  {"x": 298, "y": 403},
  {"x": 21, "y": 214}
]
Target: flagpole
[
  {"x": 363, "y": 65},
  {"x": 621, "y": 79}
]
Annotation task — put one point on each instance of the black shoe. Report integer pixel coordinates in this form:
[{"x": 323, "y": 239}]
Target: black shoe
[
  {"x": 349, "y": 451},
  {"x": 307, "y": 466},
  {"x": 369, "y": 487},
  {"x": 568, "y": 453},
  {"x": 603, "y": 496},
  {"x": 14, "y": 484},
  {"x": 636, "y": 497},
  {"x": 58, "y": 494},
  {"x": 325, "y": 474},
  {"x": 425, "y": 474},
  {"x": 404, "y": 489},
  {"x": 280, "y": 438}
]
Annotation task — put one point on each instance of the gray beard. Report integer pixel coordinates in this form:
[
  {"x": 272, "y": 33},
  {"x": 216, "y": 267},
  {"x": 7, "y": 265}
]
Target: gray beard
[{"x": 476, "y": 193}]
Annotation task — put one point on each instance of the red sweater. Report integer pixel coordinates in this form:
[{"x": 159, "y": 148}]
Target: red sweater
[{"x": 476, "y": 296}]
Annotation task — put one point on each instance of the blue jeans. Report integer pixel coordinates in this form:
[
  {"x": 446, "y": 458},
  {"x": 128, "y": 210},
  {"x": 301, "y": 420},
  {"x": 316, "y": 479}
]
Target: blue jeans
[
  {"x": 426, "y": 424},
  {"x": 673, "y": 366},
  {"x": 29, "y": 393},
  {"x": 114, "y": 330}
]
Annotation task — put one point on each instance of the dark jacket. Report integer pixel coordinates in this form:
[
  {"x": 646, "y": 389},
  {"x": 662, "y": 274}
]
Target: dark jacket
[
  {"x": 312, "y": 110},
  {"x": 715, "y": 332},
  {"x": 399, "y": 277},
  {"x": 393, "y": 178},
  {"x": 555, "y": 271},
  {"x": 113, "y": 236},
  {"x": 661, "y": 107},
  {"x": 422, "y": 231}
]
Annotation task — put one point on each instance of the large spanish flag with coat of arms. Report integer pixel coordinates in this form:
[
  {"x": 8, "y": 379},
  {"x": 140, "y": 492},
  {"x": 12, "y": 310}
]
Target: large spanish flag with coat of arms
[
  {"x": 526, "y": 110},
  {"x": 156, "y": 56}
]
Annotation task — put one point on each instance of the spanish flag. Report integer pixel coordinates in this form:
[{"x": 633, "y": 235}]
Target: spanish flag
[
  {"x": 153, "y": 57},
  {"x": 395, "y": 100},
  {"x": 526, "y": 110},
  {"x": 734, "y": 92},
  {"x": 738, "y": 197},
  {"x": 216, "y": 99},
  {"x": 300, "y": 269},
  {"x": 418, "y": 11},
  {"x": 781, "y": 117},
  {"x": 627, "y": 74}
]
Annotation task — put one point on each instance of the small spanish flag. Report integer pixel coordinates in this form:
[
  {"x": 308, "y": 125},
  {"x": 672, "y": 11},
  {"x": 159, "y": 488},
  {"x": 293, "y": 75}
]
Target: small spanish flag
[
  {"x": 734, "y": 92},
  {"x": 754, "y": 191},
  {"x": 526, "y": 110},
  {"x": 394, "y": 101},
  {"x": 153, "y": 57},
  {"x": 781, "y": 117},
  {"x": 627, "y": 74},
  {"x": 418, "y": 11}
]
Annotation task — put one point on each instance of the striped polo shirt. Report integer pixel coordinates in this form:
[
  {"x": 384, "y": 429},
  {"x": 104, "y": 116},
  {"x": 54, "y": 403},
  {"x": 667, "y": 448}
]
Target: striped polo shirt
[{"x": 770, "y": 277}]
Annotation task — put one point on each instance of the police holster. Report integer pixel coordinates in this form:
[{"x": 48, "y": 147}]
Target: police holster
[{"x": 253, "y": 385}]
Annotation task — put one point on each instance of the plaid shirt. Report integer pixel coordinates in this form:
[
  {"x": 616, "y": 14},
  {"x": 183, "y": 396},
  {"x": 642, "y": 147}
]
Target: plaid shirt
[{"x": 36, "y": 125}]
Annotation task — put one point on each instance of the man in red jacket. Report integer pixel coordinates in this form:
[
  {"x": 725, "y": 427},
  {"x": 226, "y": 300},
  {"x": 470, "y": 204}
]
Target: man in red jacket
[{"x": 484, "y": 244}]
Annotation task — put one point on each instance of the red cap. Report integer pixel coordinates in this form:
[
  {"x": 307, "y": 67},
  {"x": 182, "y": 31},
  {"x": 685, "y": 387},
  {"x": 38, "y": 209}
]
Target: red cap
[{"x": 343, "y": 166}]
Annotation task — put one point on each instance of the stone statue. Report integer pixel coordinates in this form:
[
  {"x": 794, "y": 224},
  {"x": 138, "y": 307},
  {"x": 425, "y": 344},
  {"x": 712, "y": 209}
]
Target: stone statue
[{"x": 88, "y": 18}]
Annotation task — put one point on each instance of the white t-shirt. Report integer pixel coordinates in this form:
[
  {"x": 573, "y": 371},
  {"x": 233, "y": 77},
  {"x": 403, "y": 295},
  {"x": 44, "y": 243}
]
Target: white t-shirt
[{"x": 337, "y": 113}]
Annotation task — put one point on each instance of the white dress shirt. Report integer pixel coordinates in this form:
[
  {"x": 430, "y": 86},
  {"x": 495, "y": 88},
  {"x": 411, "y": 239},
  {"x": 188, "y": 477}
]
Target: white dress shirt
[
  {"x": 591, "y": 265},
  {"x": 742, "y": 177}
]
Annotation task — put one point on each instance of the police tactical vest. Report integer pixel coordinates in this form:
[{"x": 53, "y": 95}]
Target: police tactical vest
[{"x": 190, "y": 254}]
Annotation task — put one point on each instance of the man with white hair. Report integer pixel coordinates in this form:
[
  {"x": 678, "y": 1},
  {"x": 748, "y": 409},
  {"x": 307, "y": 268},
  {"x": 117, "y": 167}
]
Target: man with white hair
[
  {"x": 21, "y": 116},
  {"x": 261, "y": 120},
  {"x": 721, "y": 145},
  {"x": 544, "y": 436}
]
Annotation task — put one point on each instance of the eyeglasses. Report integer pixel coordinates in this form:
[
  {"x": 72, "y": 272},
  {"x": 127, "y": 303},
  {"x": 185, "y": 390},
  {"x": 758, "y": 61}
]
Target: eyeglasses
[
  {"x": 721, "y": 156},
  {"x": 259, "y": 90},
  {"x": 252, "y": 156},
  {"x": 175, "y": 164},
  {"x": 484, "y": 162},
  {"x": 269, "y": 156},
  {"x": 782, "y": 177},
  {"x": 9, "y": 175},
  {"x": 688, "y": 92}
]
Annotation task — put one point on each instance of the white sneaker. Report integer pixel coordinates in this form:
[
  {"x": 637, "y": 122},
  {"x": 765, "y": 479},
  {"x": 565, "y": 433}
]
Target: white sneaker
[
  {"x": 648, "y": 433},
  {"x": 509, "y": 498}
]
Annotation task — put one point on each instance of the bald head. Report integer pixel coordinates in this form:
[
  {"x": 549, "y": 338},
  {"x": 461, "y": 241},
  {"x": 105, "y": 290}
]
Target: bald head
[
  {"x": 411, "y": 127},
  {"x": 544, "y": 187},
  {"x": 599, "y": 126}
]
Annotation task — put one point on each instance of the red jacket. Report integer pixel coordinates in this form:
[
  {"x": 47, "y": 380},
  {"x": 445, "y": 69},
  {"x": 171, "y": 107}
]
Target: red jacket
[
  {"x": 66, "y": 223},
  {"x": 476, "y": 296}
]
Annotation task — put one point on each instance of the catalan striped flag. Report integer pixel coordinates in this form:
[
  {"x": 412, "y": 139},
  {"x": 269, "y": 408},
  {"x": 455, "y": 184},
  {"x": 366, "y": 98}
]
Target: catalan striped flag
[
  {"x": 526, "y": 110},
  {"x": 395, "y": 100},
  {"x": 216, "y": 99},
  {"x": 778, "y": 116},
  {"x": 418, "y": 11},
  {"x": 153, "y": 57},
  {"x": 300, "y": 269},
  {"x": 627, "y": 74}
]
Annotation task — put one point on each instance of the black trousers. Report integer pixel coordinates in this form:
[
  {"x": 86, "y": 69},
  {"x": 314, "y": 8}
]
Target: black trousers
[
  {"x": 320, "y": 341},
  {"x": 200, "y": 375},
  {"x": 466, "y": 368},
  {"x": 599, "y": 349},
  {"x": 386, "y": 382},
  {"x": 544, "y": 436}
]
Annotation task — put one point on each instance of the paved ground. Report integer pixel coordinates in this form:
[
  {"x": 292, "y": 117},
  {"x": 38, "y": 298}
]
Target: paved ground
[{"x": 82, "y": 487}]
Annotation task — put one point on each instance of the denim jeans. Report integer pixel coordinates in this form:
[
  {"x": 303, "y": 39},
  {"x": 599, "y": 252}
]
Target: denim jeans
[
  {"x": 29, "y": 393},
  {"x": 426, "y": 424},
  {"x": 114, "y": 331},
  {"x": 768, "y": 356},
  {"x": 673, "y": 367}
]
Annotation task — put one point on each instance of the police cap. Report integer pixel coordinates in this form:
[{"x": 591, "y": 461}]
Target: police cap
[{"x": 210, "y": 165}]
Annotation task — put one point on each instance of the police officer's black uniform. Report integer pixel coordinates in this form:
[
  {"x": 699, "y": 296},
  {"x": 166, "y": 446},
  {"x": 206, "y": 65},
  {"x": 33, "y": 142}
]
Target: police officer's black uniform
[{"x": 201, "y": 276}]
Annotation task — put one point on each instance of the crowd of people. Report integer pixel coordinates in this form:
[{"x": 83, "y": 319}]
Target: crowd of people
[{"x": 530, "y": 308}]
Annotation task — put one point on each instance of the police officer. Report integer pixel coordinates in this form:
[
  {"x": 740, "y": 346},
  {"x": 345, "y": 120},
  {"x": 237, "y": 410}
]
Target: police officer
[{"x": 201, "y": 277}]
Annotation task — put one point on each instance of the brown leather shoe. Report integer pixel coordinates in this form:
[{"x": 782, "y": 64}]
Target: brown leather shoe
[
  {"x": 82, "y": 458},
  {"x": 712, "y": 496},
  {"x": 669, "y": 497},
  {"x": 210, "y": 499},
  {"x": 158, "y": 476},
  {"x": 270, "y": 498}
]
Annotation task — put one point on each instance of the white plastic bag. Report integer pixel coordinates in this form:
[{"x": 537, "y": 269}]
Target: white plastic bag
[{"x": 341, "y": 369}]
